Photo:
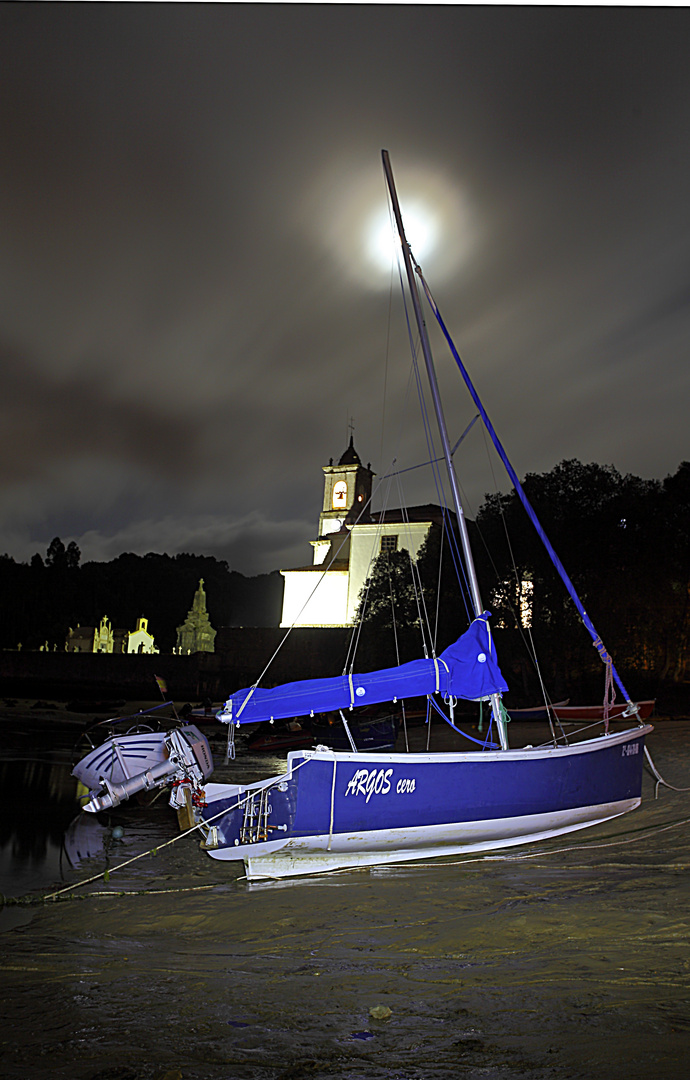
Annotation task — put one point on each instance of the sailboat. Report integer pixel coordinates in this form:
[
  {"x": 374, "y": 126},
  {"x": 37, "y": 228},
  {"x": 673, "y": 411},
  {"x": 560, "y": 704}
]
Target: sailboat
[{"x": 333, "y": 809}]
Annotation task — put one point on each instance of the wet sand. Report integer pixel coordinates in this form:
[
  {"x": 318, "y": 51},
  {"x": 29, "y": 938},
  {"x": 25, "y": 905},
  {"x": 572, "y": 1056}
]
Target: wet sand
[{"x": 564, "y": 959}]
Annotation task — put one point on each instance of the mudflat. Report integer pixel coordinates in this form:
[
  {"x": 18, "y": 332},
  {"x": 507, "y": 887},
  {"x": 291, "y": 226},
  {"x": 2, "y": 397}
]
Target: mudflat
[{"x": 564, "y": 959}]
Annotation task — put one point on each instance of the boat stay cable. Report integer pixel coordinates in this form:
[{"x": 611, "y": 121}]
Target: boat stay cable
[
  {"x": 525, "y": 631},
  {"x": 598, "y": 643},
  {"x": 364, "y": 510}
]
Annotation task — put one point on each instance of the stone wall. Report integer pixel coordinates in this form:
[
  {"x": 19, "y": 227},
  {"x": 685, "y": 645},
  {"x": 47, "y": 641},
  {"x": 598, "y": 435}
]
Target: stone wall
[{"x": 240, "y": 658}]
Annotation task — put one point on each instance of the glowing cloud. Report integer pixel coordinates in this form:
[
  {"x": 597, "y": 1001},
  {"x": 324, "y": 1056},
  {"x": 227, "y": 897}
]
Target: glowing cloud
[{"x": 350, "y": 210}]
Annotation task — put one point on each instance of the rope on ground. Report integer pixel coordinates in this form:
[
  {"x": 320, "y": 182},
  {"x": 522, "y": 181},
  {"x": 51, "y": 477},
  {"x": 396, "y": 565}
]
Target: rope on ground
[
  {"x": 111, "y": 894},
  {"x": 155, "y": 850},
  {"x": 659, "y": 778}
]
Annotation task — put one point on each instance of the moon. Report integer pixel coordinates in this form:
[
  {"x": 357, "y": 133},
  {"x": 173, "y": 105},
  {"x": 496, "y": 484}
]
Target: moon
[
  {"x": 421, "y": 228},
  {"x": 347, "y": 214}
]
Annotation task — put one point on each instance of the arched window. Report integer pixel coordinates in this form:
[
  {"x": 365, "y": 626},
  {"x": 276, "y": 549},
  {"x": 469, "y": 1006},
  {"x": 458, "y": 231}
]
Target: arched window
[{"x": 340, "y": 495}]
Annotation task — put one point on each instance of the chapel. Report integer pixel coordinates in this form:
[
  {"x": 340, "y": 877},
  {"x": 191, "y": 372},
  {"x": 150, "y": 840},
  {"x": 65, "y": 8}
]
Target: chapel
[
  {"x": 350, "y": 537},
  {"x": 105, "y": 638}
]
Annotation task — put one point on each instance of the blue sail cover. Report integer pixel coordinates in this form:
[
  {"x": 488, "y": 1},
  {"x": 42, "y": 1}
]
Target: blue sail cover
[{"x": 466, "y": 669}]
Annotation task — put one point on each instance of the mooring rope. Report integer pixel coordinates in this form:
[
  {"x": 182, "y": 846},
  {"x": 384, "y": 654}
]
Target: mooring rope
[
  {"x": 154, "y": 850},
  {"x": 645, "y": 831},
  {"x": 659, "y": 778}
]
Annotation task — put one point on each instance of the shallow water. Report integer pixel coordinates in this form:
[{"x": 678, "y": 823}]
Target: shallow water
[{"x": 563, "y": 959}]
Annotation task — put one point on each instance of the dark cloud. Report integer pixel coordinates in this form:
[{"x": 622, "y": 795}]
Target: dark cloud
[
  {"x": 188, "y": 311},
  {"x": 46, "y": 417}
]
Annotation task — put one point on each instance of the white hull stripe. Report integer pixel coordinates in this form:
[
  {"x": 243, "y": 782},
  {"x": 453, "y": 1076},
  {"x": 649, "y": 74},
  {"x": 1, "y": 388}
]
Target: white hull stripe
[{"x": 314, "y": 854}]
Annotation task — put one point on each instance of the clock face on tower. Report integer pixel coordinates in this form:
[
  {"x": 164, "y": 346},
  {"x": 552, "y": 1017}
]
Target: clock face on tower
[{"x": 340, "y": 495}]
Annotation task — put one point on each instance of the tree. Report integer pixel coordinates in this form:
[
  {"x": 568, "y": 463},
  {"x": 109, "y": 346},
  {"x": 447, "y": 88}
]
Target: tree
[
  {"x": 413, "y": 606},
  {"x": 56, "y": 555},
  {"x": 444, "y": 582},
  {"x": 61, "y": 597},
  {"x": 389, "y": 612},
  {"x": 388, "y": 596},
  {"x": 676, "y": 559},
  {"x": 42, "y": 600},
  {"x": 72, "y": 555},
  {"x": 607, "y": 529}
]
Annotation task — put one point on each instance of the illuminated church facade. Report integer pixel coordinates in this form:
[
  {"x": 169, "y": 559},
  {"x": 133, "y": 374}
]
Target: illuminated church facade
[{"x": 350, "y": 537}]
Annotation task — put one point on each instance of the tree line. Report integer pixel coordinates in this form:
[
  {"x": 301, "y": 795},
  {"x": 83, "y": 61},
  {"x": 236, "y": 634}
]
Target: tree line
[
  {"x": 46, "y": 597},
  {"x": 625, "y": 543}
]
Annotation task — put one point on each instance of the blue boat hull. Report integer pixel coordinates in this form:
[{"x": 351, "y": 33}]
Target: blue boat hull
[{"x": 333, "y": 810}]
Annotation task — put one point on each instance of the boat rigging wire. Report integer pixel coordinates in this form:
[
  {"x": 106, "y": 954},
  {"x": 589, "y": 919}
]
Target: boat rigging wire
[
  {"x": 434, "y": 459},
  {"x": 598, "y": 643},
  {"x": 422, "y": 615},
  {"x": 470, "y": 569},
  {"x": 521, "y": 628},
  {"x": 484, "y": 743},
  {"x": 438, "y": 581},
  {"x": 355, "y": 634},
  {"x": 281, "y": 643},
  {"x": 397, "y": 655},
  {"x": 387, "y": 357}
]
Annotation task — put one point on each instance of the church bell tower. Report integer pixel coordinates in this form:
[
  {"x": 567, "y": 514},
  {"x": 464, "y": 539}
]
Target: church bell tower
[{"x": 346, "y": 493}]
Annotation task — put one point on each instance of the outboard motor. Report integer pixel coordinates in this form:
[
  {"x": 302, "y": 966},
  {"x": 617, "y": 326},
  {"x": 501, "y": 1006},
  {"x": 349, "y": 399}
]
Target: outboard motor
[{"x": 189, "y": 759}]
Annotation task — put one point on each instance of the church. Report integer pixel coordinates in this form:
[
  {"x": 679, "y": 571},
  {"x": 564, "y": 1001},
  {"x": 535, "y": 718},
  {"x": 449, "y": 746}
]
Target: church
[
  {"x": 350, "y": 537},
  {"x": 104, "y": 639}
]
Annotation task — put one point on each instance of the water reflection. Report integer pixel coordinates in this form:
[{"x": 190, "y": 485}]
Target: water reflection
[
  {"x": 37, "y": 802},
  {"x": 87, "y": 837},
  {"x": 44, "y": 836}
]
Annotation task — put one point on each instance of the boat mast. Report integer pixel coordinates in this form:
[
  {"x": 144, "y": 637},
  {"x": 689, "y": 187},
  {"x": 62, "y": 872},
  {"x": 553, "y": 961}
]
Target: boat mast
[{"x": 445, "y": 442}]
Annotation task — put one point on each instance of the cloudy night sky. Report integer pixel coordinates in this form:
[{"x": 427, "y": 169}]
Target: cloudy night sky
[{"x": 195, "y": 300}]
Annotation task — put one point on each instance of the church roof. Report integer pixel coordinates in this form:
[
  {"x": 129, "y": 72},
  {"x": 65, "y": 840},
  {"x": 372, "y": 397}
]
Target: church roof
[
  {"x": 320, "y": 568},
  {"x": 427, "y": 512},
  {"x": 350, "y": 457}
]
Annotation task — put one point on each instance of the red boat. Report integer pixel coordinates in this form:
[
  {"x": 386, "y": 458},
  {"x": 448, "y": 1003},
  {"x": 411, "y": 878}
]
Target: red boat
[
  {"x": 596, "y": 712},
  {"x": 537, "y": 712}
]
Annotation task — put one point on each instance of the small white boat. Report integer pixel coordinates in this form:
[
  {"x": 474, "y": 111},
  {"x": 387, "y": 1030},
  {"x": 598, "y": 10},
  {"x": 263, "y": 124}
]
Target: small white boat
[{"x": 142, "y": 760}]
